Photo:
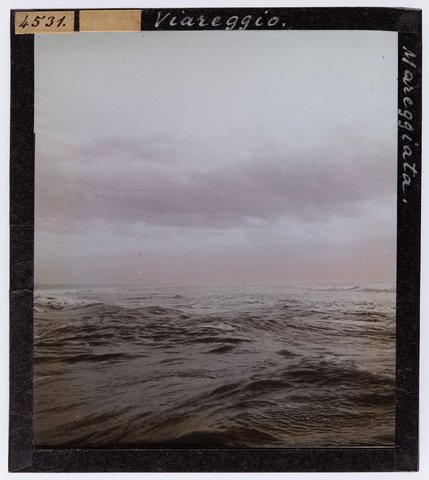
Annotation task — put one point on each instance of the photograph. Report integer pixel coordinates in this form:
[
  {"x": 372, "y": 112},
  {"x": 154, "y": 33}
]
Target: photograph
[{"x": 215, "y": 240}]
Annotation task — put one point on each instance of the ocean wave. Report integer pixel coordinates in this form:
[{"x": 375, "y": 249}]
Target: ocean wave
[
  {"x": 91, "y": 358},
  {"x": 187, "y": 367},
  {"x": 217, "y": 326},
  {"x": 61, "y": 303},
  {"x": 359, "y": 288}
]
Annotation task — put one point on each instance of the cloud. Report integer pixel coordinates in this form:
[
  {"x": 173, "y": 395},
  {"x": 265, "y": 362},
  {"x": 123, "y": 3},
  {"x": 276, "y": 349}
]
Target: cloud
[
  {"x": 172, "y": 183},
  {"x": 217, "y": 155}
]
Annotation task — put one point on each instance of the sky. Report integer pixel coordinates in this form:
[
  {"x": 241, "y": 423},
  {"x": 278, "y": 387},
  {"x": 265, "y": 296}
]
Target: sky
[{"x": 216, "y": 158}]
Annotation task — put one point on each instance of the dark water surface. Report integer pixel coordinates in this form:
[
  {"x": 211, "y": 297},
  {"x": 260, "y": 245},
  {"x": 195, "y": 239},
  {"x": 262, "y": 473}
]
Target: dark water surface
[{"x": 215, "y": 367}]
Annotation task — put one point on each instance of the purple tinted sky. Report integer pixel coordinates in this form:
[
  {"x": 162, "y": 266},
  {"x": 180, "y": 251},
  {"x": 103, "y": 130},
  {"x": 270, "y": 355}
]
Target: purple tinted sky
[{"x": 167, "y": 158}]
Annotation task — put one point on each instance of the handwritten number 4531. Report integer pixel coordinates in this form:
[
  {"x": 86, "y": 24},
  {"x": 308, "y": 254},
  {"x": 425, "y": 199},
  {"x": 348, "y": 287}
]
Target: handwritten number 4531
[{"x": 37, "y": 19}]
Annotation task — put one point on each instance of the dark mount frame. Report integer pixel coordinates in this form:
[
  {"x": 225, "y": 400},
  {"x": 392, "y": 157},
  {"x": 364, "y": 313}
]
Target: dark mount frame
[{"x": 24, "y": 457}]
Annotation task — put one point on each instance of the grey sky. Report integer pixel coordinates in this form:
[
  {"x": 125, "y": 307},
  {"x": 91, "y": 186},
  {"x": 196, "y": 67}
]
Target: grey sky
[{"x": 216, "y": 157}]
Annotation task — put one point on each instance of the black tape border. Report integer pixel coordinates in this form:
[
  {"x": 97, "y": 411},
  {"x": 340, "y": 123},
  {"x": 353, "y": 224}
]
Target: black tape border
[{"x": 23, "y": 457}]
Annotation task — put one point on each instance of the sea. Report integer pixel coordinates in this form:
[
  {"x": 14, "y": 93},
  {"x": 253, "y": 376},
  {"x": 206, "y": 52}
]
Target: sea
[{"x": 214, "y": 367}]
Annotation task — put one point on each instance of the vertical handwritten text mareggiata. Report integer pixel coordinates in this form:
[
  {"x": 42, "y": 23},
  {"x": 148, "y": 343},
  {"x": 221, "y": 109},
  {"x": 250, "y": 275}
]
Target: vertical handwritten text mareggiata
[{"x": 405, "y": 121}]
